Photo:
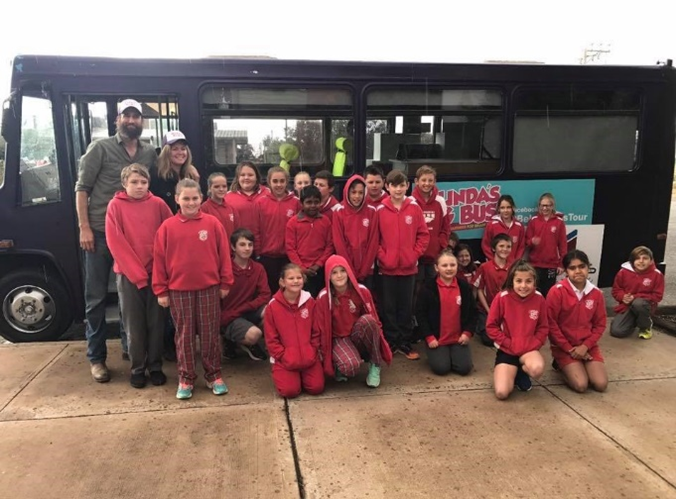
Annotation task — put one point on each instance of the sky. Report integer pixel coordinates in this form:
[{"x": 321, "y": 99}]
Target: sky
[{"x": 375, "y": 30}]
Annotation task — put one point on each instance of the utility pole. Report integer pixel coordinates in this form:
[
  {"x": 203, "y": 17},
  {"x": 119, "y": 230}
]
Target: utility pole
[{"x": 594, "y": 53}]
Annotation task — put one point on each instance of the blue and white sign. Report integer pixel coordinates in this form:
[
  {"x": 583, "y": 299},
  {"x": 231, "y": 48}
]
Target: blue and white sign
[{"x": 472, "y": 204}]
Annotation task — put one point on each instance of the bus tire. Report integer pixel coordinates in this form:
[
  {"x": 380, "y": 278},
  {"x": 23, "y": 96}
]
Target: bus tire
[{"x": 34, "y": 306}]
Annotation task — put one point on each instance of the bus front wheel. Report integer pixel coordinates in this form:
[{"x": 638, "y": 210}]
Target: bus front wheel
[{"x": 34, "y": 307}]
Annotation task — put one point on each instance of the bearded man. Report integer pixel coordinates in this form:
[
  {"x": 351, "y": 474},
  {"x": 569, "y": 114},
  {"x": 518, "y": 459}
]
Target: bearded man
[{"x": 98, "y": 180}]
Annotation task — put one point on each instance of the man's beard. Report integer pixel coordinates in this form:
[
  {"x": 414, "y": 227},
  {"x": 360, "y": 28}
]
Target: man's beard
[{"x": 130, "y": 131}]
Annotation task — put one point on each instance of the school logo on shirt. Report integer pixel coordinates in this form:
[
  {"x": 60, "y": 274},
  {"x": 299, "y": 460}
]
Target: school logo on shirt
[
  {"x": 289, "y": 213},
  {"x": 515, "y": 239},
  {"x": 429, "y": 216},
  {"x": 353, "y": 307},
  {"x": 232, "y": 217},
  {"x": 408, "y": 219},
  {"x": 305, "y": 313},
  {"x": 458, "y": 301},
  {"x": 534, "y": 314},
  {"x": 589, "y": 304},
  {"x": 203, "y": 235},
  {"x": 647, "y": 281},
  {"x": 365, "y": 222},
  {"x": 553, "y": 229}
]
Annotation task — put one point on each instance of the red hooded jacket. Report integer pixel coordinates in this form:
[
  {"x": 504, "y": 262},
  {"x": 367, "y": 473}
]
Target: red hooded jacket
[
  {"x": 574, "y": 322},
  {"x": 274, "y": 216},
  {"x": 289, "y": 335},
  {"x": 323, "y": 321},
  {"x": 553, "y": 245},
  {"x": 355, "y": 232},
  {"x": 518, "y": 325},
  {"x": 438, "y": 220},
  {"x": 516, "y": 232},
  {"x": 131, "y": 225},
  {"x": 225, "y": 213},
  {"x": 648, "y": 285},
  {"x": 403, "y": 237}
]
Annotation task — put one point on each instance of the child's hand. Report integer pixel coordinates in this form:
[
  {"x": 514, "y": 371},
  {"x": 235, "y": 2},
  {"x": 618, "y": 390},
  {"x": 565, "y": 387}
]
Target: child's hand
[
  {"x": 433, "y": 344},
  {"x": 579, "y": 352},
  {"x": 535, "y": 241},
  {"x": 464, "y": 339},
  {"x": 163, "y": 301},
  {"x": 560, "y": 270},
  {"x": 628, "y": 298},
  {"x": 224, "y": 293}
]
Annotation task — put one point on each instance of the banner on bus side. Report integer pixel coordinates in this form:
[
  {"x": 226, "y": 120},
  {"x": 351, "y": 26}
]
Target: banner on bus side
[
  {"x": 472, "y": 204},
  {"x": 588, "y": 238}
]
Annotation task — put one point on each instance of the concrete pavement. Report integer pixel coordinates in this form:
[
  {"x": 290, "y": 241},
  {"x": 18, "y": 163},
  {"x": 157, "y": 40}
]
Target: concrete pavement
[{"x": 418, "y": 435}]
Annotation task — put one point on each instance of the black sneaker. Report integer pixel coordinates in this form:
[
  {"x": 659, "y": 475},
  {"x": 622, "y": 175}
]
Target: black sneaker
[
  {"x": 138, "y": 380},
  {"x": 555, "y": 366},
  {"x": 125, "y": 355},
  {"x": 229, "y": 349},
  {"x": 522, "y": 381},
  {"x": 255, "y": 352},
  {"x": 157, "y": 378}
]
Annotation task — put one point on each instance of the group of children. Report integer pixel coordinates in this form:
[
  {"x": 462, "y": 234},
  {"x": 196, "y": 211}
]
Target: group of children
[{"x": 295, "y": 278}]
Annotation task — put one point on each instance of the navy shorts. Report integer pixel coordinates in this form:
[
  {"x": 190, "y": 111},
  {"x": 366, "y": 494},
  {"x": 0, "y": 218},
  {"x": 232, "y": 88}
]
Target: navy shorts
[{"x": 505, "y": 358}]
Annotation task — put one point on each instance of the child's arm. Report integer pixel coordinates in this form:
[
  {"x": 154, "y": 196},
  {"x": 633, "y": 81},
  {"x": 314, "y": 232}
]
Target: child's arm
[
  {"x": 124, "y": 255},
  {"x": 272, "y": 339},
  {"x": 225, "y": 264},
  {"x": 520, "y": 247},
  {"x": 445, "y": 228},
  {"x": 494, "y": 325},
  {"x": 371, "y": 247},
  {"x": 618, "y": 291},
  {"x": 291, "y": 243},
  {"x": 657, "y": 293},
  {"x": 422, "y": 236},
  {"x": 598, "y": 324},
  {"x": 468, "y": 312},
  {"x": 481, "y": 297},
  {"x": 486, "y": 242},
  {"x": 328, "y": 246},
  {"x": 556, "y": 336},
  {"x": 338, "y": 234},
  {"x": 542, "y": 327},
  {"x": 562, "y": 246},
  {"x": 160, "y": 279}
]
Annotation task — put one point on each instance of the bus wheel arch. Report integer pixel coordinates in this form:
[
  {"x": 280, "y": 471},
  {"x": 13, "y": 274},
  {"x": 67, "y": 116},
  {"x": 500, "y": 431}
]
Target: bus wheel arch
[{"x": 34, "y": 306}]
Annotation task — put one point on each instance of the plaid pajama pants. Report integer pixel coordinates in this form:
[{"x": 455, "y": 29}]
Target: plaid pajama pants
[
  {"x": 364, "y": 339},
  {"x": 197, "y": 313}
]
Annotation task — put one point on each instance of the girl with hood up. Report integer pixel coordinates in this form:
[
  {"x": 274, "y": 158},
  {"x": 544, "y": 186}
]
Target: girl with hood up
[
  {"x": 348, "y": 324},
  {"x": 355, "y": 230}
]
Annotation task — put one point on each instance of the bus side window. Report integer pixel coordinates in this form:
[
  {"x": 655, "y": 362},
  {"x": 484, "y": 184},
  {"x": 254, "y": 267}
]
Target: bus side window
[{"x": 38, "y": 167}]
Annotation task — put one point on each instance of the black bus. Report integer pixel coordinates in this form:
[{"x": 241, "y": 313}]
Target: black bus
[{"x": 600, "y": 138}]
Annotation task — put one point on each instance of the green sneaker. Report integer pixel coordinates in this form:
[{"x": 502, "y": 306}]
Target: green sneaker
[
  {"x": 217, "y": 386},
  {"x": 373, "y": 377},
  {"x": 184, "y": 392},
  {"x": 339, "y": 376},
  {"x": 645, "y": 334}
]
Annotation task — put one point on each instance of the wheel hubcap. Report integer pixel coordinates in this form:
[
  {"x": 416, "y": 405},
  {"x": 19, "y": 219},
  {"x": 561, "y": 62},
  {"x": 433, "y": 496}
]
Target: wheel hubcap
[{"x": 29, "y": 309}]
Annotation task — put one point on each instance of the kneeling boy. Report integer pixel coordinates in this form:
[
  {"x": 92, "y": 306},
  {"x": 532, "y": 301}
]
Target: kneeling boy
[{"x": 242, "y": 310}]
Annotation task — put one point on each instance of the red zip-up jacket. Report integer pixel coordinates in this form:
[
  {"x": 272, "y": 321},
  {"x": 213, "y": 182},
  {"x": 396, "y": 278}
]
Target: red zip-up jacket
[
  {"x": 518, "y": 325},
  {"x": 574, "y": 322},
  {"x": 289, "y": 335},
  {"x": 648, "y": 285},
  {"x": 378, "y": 201},
  {"x": 516, "y": 232},
  {"x": 323, "y": 321},
  {"x": 438, "y": 220},
  {"x": 131, "y": 225},
  {"x": 274, "y": 216},
  {"x": 308, "y": 240},
  {"x": 327, "y": 208},
  {"x": 191, "y": 254},
  {"x": 355, "y": 232},
  {"x": 553, "y": 245},
  {"x": 225, "y": 213},
  {"x": 403, "y": 237},
  {"x": 247, "y": 210},
  {"x": 249, "y": 292}
]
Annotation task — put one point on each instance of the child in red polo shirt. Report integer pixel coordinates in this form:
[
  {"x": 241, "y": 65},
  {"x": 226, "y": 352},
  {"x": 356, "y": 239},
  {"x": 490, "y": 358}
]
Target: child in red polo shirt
[
  {"x": 193, "y": 287},
  {"x": 518, "y": 325},
  {"x": 446, "y": 313},
  {"x": 275, "y": 209},
  {"x": 308, "y": 240},
  {"x": 577, "y": 320},
  {"x": 291, "y": 340},
  {"x": 489, "y": 281}
]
